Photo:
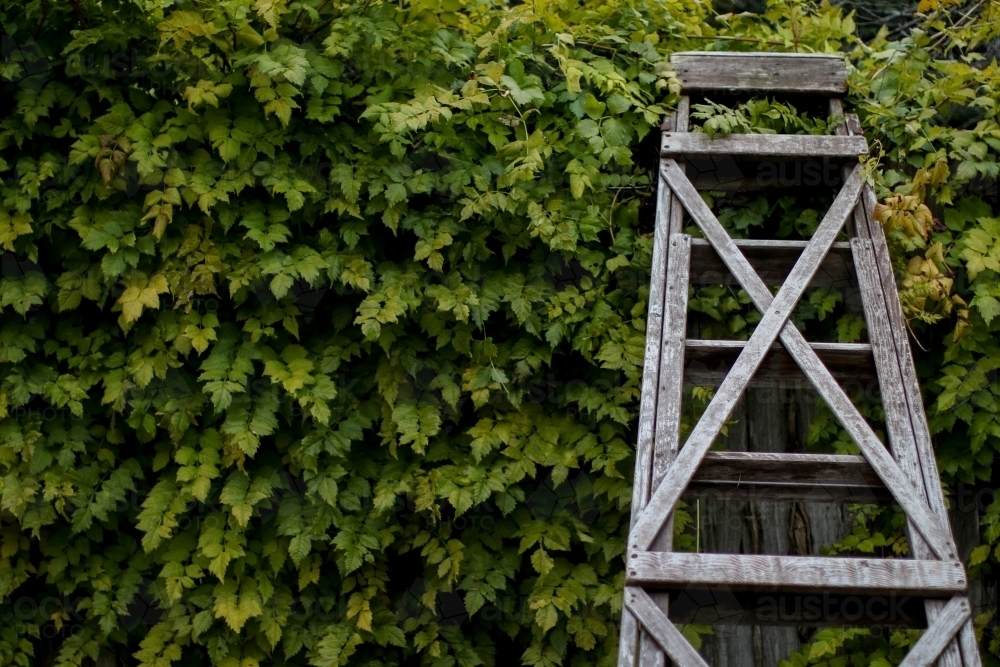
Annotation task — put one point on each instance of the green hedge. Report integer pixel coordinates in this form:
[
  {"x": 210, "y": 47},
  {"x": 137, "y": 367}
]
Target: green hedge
[{"x": 323, "y": 323}]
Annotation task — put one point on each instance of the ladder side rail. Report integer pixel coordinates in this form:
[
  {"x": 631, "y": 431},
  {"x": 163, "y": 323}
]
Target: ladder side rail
[
  {"x": 910, "y": 385},
  {"x": 906, "y": 413},
  {"x": 629, "y": 637},
  {"x": 666, "y": 431},
  {"x": 897, "y": 412},
  {"x": 671, "y": 388},
  {"x": 900, "y": 420},
  {"x": 667, "y": 210},
  {"x": 964, "y": 651}
]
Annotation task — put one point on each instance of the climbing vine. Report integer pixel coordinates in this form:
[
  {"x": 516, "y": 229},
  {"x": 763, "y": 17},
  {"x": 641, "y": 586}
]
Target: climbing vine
[{"x": 322, "y": 322}]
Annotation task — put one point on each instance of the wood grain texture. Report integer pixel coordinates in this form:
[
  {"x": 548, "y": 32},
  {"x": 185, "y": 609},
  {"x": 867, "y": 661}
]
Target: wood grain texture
[
  {"x": 964, "y": 650},
  {"x": 897, "y": 413},
  {"x": 836, "y": 110},
  {"x": 939, "y": 634},
  {"x": 691, "y": 144},
  {"x": 764, "y": 492},
  {"x": 912, "y": 500},
  {"x": 682, "y": 118},
  {"x": 899, "y": 422},
  {"x": 669, "y": 221},
  {"x": 772, "y": 72},
  {"x": 672, "y": 351},
  {"x": 775, "y": 315},
  {"x": 772, "y": 260},
  {"x": 659, "y": 626},
  {"x": 708, "y": 361},
  {"x": 650, "y": 654},
  {"x": 628, "y": 640},
  {"x": 908, "y": 372},
  {"x": 969, "y": 646},
  {"x": 788, "y": 467},
  {"x": 797, "y": 573}
]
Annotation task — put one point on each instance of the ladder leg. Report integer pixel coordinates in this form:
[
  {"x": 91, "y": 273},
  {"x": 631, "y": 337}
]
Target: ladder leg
[
  {"x": 627, "y": 639},
  {"x": 651, "y": 456},
  {"x": 908, "y": 431},
  {"x": 631, "y": 634},
  {"x": 668, "y": 409}
]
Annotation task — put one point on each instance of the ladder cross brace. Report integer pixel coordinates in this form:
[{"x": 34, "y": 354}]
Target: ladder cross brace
[{"x": 774, "y": 322}]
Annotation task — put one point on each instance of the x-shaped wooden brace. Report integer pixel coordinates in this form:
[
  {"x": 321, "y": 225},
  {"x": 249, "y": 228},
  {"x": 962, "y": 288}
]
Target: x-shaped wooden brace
[
  {"x": 774, "y": 323},
  {"x": 923, "y": 653}
]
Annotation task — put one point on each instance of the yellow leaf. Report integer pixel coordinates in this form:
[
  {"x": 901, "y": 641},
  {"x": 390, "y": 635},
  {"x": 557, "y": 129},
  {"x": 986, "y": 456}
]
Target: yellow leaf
[
  {"x": 12, "y": 226},
  {"x": 270, "y": 10},
  {"x": 141, "y": 292},
  {"x": 907, "y": 213}
]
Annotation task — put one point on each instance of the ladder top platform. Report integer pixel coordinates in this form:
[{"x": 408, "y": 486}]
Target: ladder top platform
[{"x": 816, "y": 74}]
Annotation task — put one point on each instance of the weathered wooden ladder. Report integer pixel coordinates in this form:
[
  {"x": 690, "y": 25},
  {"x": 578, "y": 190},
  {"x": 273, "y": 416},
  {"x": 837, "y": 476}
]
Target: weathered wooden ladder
[{"x": 905, "y": 471}]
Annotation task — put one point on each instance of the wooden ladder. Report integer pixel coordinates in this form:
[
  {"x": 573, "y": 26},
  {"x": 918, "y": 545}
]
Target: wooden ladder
[{"x": 904, "y": 472}]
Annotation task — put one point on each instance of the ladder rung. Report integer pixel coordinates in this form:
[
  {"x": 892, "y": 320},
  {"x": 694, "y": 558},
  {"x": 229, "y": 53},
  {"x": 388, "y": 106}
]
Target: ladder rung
[
  {"x": 929, "y": 578},
  {"x": 787, "y": 476},
  {"x": 772, "y": 260},
  {"x": 708, "y": 361},
  {"x": 779, "y": 72},
  {"x": 689, "y": 144}
]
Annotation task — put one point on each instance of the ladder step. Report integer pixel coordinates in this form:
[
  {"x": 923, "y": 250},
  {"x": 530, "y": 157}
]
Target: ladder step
[
  {"x": 772, "y": 260},
  {"x": 805, "y": 574},
  {"x": 706, "y": 363},
  {"x": 775, "y": 72},
  {"x": 787, "y": 476},
  {"x": 675, "y": 144}
]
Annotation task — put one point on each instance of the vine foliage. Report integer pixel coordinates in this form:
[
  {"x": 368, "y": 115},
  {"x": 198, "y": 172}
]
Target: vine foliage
[{"x": 322, "y": 322}]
